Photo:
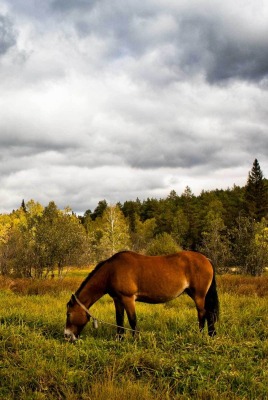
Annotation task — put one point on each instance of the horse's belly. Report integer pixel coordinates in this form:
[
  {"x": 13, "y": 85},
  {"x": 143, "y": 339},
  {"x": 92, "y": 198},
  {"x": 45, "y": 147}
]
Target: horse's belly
[
  {"x": 157, "y": 298},
  {"x": 161, "y": 290}
]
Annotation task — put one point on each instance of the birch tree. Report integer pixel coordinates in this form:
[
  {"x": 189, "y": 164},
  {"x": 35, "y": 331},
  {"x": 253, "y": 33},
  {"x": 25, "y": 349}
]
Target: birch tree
[{"x": 115, "y": 231}]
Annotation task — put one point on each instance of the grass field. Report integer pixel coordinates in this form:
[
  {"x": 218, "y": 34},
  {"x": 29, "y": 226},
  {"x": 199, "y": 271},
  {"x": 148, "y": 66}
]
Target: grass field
[{"x": 170, "y": 360}]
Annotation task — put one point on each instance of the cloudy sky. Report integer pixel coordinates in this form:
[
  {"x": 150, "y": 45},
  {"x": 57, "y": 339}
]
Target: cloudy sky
[{"x": 121, "y": 99}]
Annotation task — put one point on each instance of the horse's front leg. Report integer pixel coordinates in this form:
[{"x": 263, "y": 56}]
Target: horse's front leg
[
  {"x": 119, "y": 314},
  {"x": 129, "y": 304}
]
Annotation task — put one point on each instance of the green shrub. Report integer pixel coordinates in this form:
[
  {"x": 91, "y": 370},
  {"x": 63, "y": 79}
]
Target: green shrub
[{"x": 162, "y": 244}]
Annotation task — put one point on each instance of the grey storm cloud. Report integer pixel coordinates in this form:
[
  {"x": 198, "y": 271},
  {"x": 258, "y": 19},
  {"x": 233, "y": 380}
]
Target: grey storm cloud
[
  {"x": 67, "y": 5},
  {"x": 7, "y": 34},
  {"x": 230, "y": 55},
  {"x": 223, "y": 47},
  {"x": 129, "y": 99}
]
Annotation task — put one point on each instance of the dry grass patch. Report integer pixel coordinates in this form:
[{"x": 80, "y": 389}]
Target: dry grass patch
[
  {"x": 244, "y": 285},
  {"x": 39, "y": 286}
]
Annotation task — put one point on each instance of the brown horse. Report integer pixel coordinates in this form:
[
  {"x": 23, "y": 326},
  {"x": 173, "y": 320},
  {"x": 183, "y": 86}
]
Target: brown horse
[{"x": 128, "y": 277}]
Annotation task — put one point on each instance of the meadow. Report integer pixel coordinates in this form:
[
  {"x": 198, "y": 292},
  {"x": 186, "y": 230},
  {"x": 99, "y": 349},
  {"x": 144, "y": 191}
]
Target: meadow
[{"x": 170, "y": 360}]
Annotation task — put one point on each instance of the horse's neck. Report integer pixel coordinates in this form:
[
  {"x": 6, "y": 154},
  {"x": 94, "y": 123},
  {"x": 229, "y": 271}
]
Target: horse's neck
[{"x": 94, "y": 289}]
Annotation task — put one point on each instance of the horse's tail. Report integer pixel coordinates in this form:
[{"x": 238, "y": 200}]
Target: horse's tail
[{"x": 212, "y": 304}]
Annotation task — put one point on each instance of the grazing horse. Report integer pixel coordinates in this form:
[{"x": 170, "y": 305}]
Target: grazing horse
[{"x": 128, "y": 277}]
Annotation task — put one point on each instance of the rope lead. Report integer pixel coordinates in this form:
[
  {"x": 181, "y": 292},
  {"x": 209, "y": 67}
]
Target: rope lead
[{"x": 96, "y": 320}]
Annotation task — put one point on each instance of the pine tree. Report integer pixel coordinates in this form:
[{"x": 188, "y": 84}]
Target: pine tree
[
  {"x": 189, "y": 207},
  {"x": 215, "y": 243},
  {"x": 99, "y": 210},
  {"x": 23, "y": 206},
  {"x": 256, "y": 193}
]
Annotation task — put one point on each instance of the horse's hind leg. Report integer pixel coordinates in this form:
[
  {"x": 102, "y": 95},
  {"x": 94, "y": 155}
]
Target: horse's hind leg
[
  {"x": 200, "y": 306},
  {"x": 211, "y": 320},
  {"x": 119, "y": 313},
  {"x": 205, "y": 315}
]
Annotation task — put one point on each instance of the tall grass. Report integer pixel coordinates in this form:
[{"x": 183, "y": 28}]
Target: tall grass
[{"x": 170, "y": 360}]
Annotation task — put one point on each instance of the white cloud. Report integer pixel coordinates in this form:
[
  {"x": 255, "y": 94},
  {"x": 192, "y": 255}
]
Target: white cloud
[{"x": 130, "y": 99}]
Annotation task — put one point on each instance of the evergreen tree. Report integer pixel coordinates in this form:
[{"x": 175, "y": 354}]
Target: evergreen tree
[
  {"x": 131, "y": 210},
  {"x": 180, "y": 227},
  {"x": 189, "y": 206},
  {"x": 250, "y": 245},
  {"x": 99, "y": 210},
  {"x": 23, "y": 206},
  {"x": 149, "y": 209},
  {"x": 256, "y": 196},
  {"x": 164, "y": 217},
  {"x": 215, "y": 243}
]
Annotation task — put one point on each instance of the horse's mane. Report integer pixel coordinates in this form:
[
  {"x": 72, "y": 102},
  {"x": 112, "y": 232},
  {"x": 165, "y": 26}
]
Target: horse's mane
[{"x": 93, "y": 272}]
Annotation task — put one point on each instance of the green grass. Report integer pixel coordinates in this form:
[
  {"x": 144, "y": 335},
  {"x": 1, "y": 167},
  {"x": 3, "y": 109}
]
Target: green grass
[{"x": 170, "y": 360}]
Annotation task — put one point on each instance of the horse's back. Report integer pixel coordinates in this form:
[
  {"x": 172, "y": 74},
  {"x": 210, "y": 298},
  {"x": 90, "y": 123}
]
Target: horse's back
[
  {"x": 158, "y": 278},
  {"x": 185, "y": 261}
]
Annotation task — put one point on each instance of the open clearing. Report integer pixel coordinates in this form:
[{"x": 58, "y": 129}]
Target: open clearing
[{"x": 171, "y": 360}]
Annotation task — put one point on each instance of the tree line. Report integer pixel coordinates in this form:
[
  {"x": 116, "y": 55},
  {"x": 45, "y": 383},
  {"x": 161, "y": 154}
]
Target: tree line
[{"x": 229, "y": 226}]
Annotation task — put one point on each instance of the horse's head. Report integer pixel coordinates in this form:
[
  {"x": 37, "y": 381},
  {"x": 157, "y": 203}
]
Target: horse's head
[{"x": 77, "y": 318}]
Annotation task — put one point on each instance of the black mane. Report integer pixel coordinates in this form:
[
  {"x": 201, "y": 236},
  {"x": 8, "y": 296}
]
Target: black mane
[
  {"x": 85, "y": 281},
  {"x": 98, "y": 266}
]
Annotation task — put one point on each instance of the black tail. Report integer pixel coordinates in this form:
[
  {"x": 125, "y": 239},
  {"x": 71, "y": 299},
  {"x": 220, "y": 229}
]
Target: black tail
[{"x": 212, "y": 306}]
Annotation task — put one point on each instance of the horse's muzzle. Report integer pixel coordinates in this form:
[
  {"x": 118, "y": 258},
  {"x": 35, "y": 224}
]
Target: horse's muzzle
[{"x": 69, "y": 336}]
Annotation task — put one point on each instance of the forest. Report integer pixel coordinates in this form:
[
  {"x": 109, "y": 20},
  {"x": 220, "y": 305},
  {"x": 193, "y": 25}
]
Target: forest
[{"x": 229, "y": 226}]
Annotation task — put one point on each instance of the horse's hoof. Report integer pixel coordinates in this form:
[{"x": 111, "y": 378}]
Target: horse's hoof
[
  {"x": 119, "y": 337},
  {"x": 212, "y": 333}
]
